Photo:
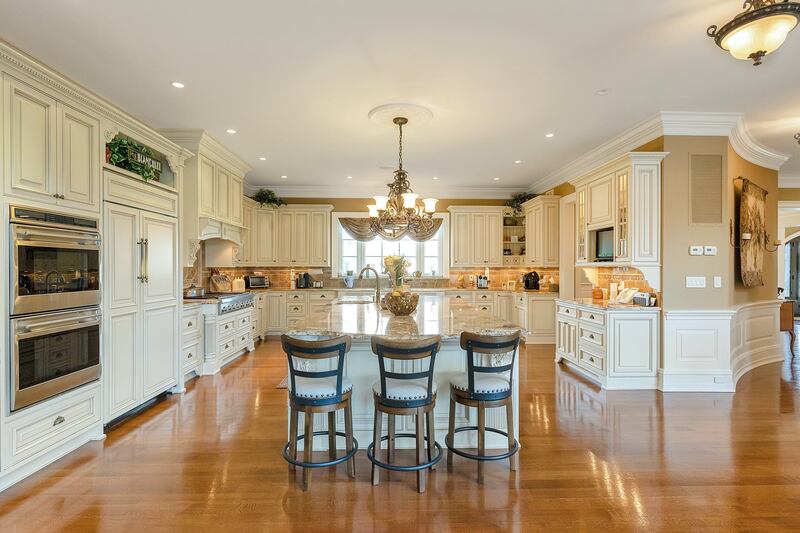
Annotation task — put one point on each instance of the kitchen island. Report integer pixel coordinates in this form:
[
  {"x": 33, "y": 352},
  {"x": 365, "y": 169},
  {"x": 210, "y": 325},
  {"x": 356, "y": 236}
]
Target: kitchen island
[{"x": 436, "y": 314}]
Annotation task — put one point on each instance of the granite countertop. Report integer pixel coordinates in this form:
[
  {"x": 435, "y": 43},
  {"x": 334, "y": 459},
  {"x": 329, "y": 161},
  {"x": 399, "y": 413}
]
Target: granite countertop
[
  {"x": 607, "y": 304},
  {"x": 435, "y": 315},
  {"x": 198, "y": 301},
  {"x": 421, "y": 290}
]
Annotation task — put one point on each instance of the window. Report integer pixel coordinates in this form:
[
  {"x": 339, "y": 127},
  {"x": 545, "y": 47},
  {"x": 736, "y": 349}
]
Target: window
[{"x": 429, "y": 257}]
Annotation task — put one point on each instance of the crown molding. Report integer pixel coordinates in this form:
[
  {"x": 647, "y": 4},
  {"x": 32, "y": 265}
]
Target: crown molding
[
  {"x": 330, "y": 191},
  {"x": 788, "y": 182},
  {"x": 676, "y": 123},
  {"x": 201, "y": 141},
  {"x": 22, "y": 65}
]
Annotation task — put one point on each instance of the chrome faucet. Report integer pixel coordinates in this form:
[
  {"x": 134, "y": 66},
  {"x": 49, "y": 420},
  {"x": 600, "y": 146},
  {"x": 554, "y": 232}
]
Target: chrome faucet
[{"x": 377, "y": 282}]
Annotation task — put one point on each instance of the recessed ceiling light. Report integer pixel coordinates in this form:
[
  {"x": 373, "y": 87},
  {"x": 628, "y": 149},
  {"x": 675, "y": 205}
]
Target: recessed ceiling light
[
  {"x": 496, "y": 179},
  {"x": 349, "y": 177},
  {"x": 262, "y": 158},
  {"x": 517, "y": 161},
  {"x": 602, "y": 92},
  {"x": 550, "y": 135},
  {"x": 231, "y": 131},
  {"x": 284, "y": 177},
  {"x": 436, "y": 177},
  {"x": 178, "y": 85}
]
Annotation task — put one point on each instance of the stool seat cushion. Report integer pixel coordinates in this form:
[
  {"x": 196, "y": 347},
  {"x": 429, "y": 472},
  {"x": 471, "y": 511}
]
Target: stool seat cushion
[
  {"x": 405, "y": 389},
  {"x": 319, "y": 388},
  {"x": 484, "y": 383}
]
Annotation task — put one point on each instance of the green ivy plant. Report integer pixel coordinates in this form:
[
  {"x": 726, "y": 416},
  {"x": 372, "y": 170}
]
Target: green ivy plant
[
  {"x": 517, "y": 200},
  {"x": 118, "y": 156},
  {"x": 267, "y": 197}
]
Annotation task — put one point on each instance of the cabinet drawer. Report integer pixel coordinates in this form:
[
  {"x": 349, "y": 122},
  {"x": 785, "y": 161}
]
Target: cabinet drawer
[
  {"x": 321, "y": 296},
  {"x": 566, "y": 310},
  {"x": 298, "y": 309},
  {"x": 226, "y": 326},
  {"x": 591, "y": 361},
  {"x": 597, "y": 318},
  {"x": 32, "y": 432},
  {"x": 291, "y": 321},
  {"x": 592, "y": 338},
  {"x": 295, "y": 297},
  {"x": 243, "y": 322},
  {"x": 484, "y": 297},
  {"x": 191, "y": 355},
  {"x": 521, "y": 301},
  {"x": 225, "y": 347},
  {"x": 191, "y": 324},
  {"x": 464, "y": 296},
  {"x": 243, "y": 340},
  {"x": 489, "y": 308}
]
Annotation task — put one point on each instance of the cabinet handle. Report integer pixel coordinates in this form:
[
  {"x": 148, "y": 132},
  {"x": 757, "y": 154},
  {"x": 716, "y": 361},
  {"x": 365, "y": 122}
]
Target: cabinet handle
[
  {"x": 189, "y": 356},
  {"x": 227, "y": 326},
  {"x": 591, "y": 317},
  {"x": 190, "y": 324},
  {"x": 591, "y": 336},
  {"x": 323, "y": 296},
  {"x": 591, "y": 359},
  {"x": 59, "y": 420}
]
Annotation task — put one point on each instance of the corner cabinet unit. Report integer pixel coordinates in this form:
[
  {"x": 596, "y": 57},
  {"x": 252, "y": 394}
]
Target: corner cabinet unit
[
  {"x": 476, "y": 238},
  {"x": 213, "y": 191},
  {"x": 51, "y": 152},
  {"x": 616, "y": 346},
  {"x": 541, "y": 231},
  {"x": 226, "y": 337}
]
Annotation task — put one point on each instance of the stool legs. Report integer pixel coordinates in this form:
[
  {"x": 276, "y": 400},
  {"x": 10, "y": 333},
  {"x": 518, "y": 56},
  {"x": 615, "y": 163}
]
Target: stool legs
[
  {"x": 332, "y": 435},
  {"x": 376, "y": 444},
  {"x": 512, "y": 461},
  {"x": 308, "y": 446},
  {"x": 451, "y": 429},
  {"x": 390, "y": 442},
  {"x": 481, "y": 437},
  {"x": 431, "y": 437},
  {"x": 348, "y": 431},
  {"x": 293, "y": 415},
  {"x": 421, "y": 474}
]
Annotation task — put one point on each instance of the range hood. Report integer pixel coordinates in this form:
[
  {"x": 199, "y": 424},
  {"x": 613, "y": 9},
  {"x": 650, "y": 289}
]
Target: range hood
[{"x": 214, "y": 229}]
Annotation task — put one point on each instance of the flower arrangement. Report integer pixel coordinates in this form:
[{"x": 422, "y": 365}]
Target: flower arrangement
[
  {"x": 268, "y": 197},
  {"x": 395, "y": 266}
]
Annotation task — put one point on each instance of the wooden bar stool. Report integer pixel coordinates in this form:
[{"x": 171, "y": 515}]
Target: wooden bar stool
[
  {"x": 405, "y": 392},
  {"x": 483, "y": 386},
  {"x": 319, "y": 391}
]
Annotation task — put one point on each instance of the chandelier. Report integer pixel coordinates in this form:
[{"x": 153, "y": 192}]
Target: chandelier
[
  {"x": 759, "y": 30},
  {"x": 397, "y": 215}
]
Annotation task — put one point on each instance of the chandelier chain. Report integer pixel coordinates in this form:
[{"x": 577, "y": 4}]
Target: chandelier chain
[{"x": 400, "y": 153}]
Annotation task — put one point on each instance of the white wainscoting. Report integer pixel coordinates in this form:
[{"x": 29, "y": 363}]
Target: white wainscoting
[{"x": 709, "y": 350}]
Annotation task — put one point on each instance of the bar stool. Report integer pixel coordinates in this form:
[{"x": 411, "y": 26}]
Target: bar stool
[
  {"x": 411, "y": 393},
  {"x": 484, "y": 386},
  {"x": 319, "y": 391}
]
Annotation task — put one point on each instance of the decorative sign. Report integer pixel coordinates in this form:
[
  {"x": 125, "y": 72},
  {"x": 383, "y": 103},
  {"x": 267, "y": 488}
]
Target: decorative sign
[{"x": 128, "y": 154}]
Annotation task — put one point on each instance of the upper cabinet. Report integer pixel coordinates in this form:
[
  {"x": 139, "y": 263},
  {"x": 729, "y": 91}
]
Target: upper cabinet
[
  {"x": 623, "y": 195},
  {"x": 541, "y": 231},
  {"x": 477, "y": 236},
  {"x": 52, "y": 152}
]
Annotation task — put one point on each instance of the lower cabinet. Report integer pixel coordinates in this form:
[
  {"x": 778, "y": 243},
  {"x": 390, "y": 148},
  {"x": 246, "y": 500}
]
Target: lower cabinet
[
  {"x": 618, "y": 347},
  {"x": 276, "y": 312},
  {"x": 225, "y": 337},
  {"x": 192, "y": 343},
  {"x": 541, "y": 324}
]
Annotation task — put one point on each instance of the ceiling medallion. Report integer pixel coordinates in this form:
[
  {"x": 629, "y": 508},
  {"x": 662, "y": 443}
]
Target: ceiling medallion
[
  {"x": 397, "y": 215},
  {"x": 757, "y": 31}
]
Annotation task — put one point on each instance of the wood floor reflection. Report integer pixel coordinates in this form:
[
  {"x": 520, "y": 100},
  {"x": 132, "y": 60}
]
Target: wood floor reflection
[{"x": 210, "y": 460}]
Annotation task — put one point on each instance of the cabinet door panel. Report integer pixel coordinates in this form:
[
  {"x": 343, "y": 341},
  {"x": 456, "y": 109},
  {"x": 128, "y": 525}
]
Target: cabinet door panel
[
  {"x": 601, "y": 202},
  {"x": 207, "y": 187},
  {"x": 264, "y": 237},
  {"x": 284, "y": 233},
  {"x": 494, "y": 239},
  {"x": 120, "y": 363},
  {"x": 159, "y": 349},
  {"x": 30, "y": 127},
  {"x": 222, "y": 198},
  {"x": 541, "y": 317},
  {"x": 550, "y": 235},
  {"x": 246, "y": 253},
  {"x": 300, "y": 239},
  {"x": 461, "y": 239},
  {"x": 276, "y": 311},
  {"x": 318, "y": 239},
  {"x": 122, "y": 256},
  {"x": 478, "y": 234},
  {"x": 580, "y": 225},
  {"x": 80, "y": 158},
  {"x": 161, "y": 257},
  {"x": 236, "y": 200}
]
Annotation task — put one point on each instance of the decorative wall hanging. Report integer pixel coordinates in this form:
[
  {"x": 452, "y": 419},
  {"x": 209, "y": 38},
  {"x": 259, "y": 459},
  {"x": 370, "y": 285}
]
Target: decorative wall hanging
[
  {"x": 130, "y": 155},
  {"x": 753, "y": 235}
]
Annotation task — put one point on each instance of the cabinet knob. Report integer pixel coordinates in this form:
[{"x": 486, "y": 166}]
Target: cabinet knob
[
  {"x": 591, "y": 359},
  {"x": 227, "y": 326},
  {"x": 190, "y": 324},
  {"x": 591, "y": 336},
  {"x": 189, "y": 356},
  {"x": 591, "y": 317},
  {"x": 59, "y": 420}
]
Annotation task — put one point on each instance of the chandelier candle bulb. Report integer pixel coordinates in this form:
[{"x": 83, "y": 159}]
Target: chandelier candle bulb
[
  {"x": 373, "y": 210},
  {"x": 380, "y": 202},
  {"x": 409, "y": 200},
  {"x": 430, "y": 204}
]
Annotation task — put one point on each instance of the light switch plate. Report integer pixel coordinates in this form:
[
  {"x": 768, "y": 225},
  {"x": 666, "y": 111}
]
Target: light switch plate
[
  {"x": 695, "y": 250},
  {"x": 717, "y": 282},
  {"x": 710, "y": 250},
  {"x": 695, "y": 282}
]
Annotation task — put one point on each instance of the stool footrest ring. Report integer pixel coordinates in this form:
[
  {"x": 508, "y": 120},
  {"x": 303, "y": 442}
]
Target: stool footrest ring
[
  {"x": 332, "y": 462},
  {"x": 476, "y": 457},
  {"x": 404, "y": 468}
]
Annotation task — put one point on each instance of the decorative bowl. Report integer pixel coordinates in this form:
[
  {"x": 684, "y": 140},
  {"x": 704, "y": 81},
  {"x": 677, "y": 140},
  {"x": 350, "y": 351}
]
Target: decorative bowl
[{"x": 402, "y": 304}]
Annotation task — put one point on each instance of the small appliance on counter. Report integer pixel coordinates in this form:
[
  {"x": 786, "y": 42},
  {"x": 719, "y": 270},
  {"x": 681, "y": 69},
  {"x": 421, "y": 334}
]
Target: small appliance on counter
[
  {"x": 645, "y": 299},
  {"x": 530, "y": 281},
  {"x": 256, "y": 281},
  {"x": 237, "y": 284},
  {"x": 317, "y": 284},
  {"x": 303, "y": 281},
  {"x": 194, "y": 292},
  {"x": 482, "y": 282}
]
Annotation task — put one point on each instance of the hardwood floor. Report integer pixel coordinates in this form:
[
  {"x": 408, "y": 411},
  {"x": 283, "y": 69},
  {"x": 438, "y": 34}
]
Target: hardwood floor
[{"x": 210, "y": 460}]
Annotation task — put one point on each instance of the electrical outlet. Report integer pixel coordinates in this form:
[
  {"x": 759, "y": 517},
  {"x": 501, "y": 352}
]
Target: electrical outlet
[
  {"x": 717, "y": 282},
  {"x": 710, "y": 250},
  {"x": 472, "y": 277},
  {"x": 695, "y": 282},
  {"x": 695, "y": 250}
]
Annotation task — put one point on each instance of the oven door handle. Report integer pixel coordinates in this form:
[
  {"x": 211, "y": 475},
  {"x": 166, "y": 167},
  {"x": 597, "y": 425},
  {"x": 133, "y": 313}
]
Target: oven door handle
[
  {"x": 35, "y": 234},
  {"x": 28, "y": 332}
]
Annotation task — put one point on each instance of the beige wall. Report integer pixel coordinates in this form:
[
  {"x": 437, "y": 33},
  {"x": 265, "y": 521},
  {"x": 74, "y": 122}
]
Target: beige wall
[
  {"x": 790, "y": 195},
  {"x": 678, "y": 233},
  {"x": 768, "y": 180}
]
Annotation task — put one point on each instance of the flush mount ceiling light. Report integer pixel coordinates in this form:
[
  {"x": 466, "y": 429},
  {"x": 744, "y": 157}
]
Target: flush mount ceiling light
[
  {"x": 398, "y": 214},
  {"x": 231, "y": 131},
  {"x": 262, "y": 158},
  {"x": 757, "y": 31},
  {"x": 284, "y": 177},
  {"x": 178, "y": 85},
  {"x": 549, "y": 135}
]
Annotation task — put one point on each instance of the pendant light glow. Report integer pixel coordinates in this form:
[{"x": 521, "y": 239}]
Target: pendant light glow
[{"x": 759, "y": 30}]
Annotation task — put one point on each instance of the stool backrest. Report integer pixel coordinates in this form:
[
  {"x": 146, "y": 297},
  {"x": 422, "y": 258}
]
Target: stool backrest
[
  {"x": 336, "y": 347},
  {"x": 488, "y": 345},
  {"x": 406, "y": 351}
]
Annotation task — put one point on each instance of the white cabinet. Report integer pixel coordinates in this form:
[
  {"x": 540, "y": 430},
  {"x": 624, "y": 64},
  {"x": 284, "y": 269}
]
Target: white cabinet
[
  {"x": 236, "y": 191},
  {"x": 222, "y": 191},
  {"x": 541, "y": 231},
  {"x": 141, "y": 356},
  {"x": 581, "y": 250},
  {"x": 299, "y": 239},
  {"x": 206, "y": 186},
  {"x": 645, "y": 198},
  {"x": 622, "y": 222},
  {"x": 600, "y": 202},
  {"x": 505, "y": 306},
  {"x": 476, "y": 236},
  {"x": 319, "y": 238},
  {"x": 264, "y": 233},
  {"x": 541, "y": 319},
  {"x": 246, "y": 250},
  {"x": 302, "y": 235},
  {"x": 276, "y": 312},
  {"x": 52, "y": 151}
]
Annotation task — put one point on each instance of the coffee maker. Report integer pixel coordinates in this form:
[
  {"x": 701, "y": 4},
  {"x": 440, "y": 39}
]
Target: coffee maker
[{"x": 530, "y": 281}]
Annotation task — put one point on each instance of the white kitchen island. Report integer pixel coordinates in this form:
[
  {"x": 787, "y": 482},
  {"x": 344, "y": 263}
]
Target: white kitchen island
[{"x": 436, "y": 314}]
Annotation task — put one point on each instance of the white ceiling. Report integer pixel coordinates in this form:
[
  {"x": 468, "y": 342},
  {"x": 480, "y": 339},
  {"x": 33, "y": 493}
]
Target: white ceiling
[{"x": 296, "y": 79}]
